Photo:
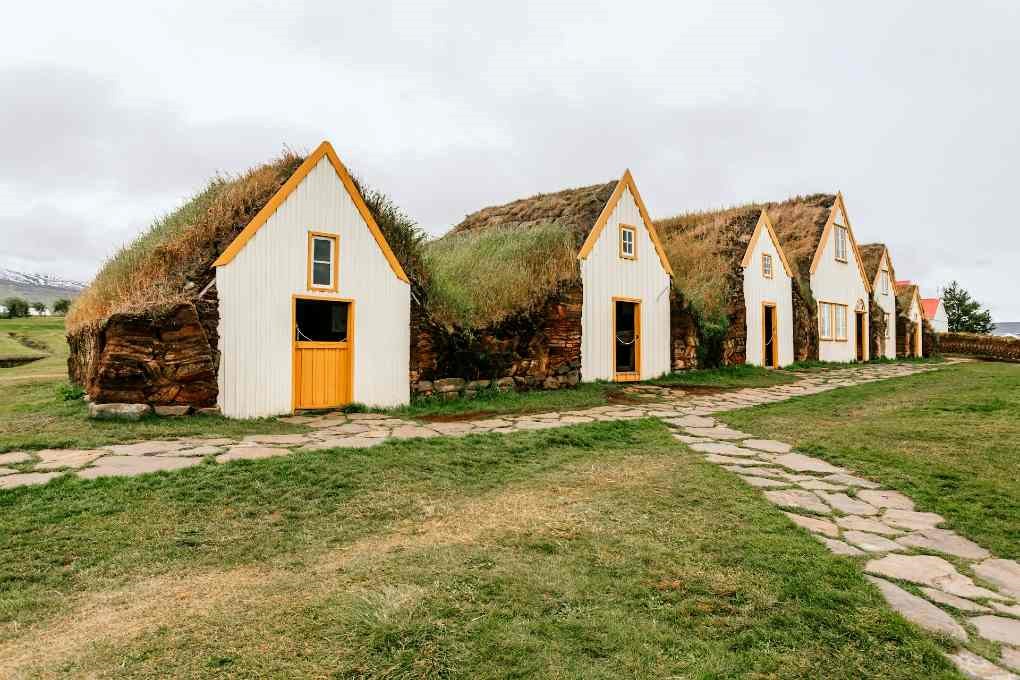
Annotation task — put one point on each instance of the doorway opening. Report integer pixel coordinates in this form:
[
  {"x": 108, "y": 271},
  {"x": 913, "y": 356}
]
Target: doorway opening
[
  {"x": 770, "y": 354},
  {"x": 626, "y": 339},
  {"x": 859, "y": 327},
  {"x": 322, "y": 353}
]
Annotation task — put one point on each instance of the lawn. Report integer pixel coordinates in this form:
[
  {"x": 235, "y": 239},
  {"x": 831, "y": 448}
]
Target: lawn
[
  {"x": 596, "y": 551},
  {"x": 949, "y": 439},
  {"x": 728, "y": 377},
  {"x": 46, "y": 333}
]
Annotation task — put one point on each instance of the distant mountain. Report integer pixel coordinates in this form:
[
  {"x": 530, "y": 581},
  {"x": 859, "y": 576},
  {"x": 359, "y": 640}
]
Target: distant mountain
[
  {"x": 37, "y": 287},
  {"x": 1007, "y": 328}
]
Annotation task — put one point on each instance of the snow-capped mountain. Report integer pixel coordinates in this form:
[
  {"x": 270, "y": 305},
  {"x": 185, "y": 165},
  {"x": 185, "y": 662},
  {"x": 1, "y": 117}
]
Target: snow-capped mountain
[{"x": 37, "y": 287}]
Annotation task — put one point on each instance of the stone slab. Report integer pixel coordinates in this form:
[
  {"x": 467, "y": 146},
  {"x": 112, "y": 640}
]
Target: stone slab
[
  {"x": 907, "y": 519},
  {"x": 277, "y": 438},
  {"x": 119, "y": 411},
  {"x": 1003, "y": 573},
  {"x": 819, "y": 485},
  {"x": 961, "y": 603},
  {"x": 1011, "y": 657},
  {"x": 997, "y": 628},
  {"x": 764, "y": 482},
  {"x": 846, "y": 504},
  {"x": 692, "y": 421},
  {"x": 798, "y": 462},
  {"x": 27, "y": 479},
  {"x": 197, "y": 451},
  {"x": 13, "y": 457},
  {"x": 343, "y": 443},
  {"x": 927, "y": 570},
  {"x": 730, "y": 460},
  {"x": 251, "y": 453},
  {"x": 814, "y": 524},
  {"x": 130, "y": 466},
  {"x": 944, "y": 541},
  {"x": 687, "y": 439},
  {"x": 919, "y": 611},
  {"x": 839, "y": 547},
  {"x": 1010, "y": 609},
  {"x": 885, "y": 499},
  {"x": 869, "y": 524},
  {"x": 7, "y": 471},
  {"x": 850, "y": 480},
  {"x": 767, "y": 445},
  {"x": 723, "y": 448},
  {"x": 717, "y": 432},
  {"x": 146, "y": 448},
  {"x": 871, "y": 542},
  {"x": 56, "y": 459},
  {"x": 798, "y": 498}
]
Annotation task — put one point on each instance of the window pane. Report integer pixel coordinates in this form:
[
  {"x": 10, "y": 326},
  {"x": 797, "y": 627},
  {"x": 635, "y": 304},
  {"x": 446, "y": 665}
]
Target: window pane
[
  {"x": 321, "y": 248},
  {"x": 321, "y": 275}
]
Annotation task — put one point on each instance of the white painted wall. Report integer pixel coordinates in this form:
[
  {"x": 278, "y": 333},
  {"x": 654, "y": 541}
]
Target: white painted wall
[
  {"x": 887, "y": 301},
  {"x": 840, "y": 283},
  {"x": 778, "y": 290},
  {"x": 940, "y": 322},
  {"x": 605, "y": 275},
  {"x": 256, "y": 289}
]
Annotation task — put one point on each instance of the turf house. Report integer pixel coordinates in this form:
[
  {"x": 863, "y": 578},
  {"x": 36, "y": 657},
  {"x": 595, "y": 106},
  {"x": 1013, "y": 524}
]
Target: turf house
[
  {"x": 269, "y": 292},
  {"x": 544, "y": 292},
  {"x": 909, "y": 320},
  {"x": 733, "y": 270},
  {"x": 879, "y": 268}
]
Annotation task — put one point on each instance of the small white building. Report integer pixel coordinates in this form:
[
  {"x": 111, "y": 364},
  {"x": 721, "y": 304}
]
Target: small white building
[
  {"x": 314, "y": 306},
  {"x": 625, "y": 275},
  {"x": 908, "y": 304},
  {"x": 768, "y": 301},
  {"x": 935, "y": 313},
  {"x": 879, "y": 267}
]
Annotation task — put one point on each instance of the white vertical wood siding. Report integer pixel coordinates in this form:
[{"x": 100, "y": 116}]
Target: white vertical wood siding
[
  {"x": 255, "y": 292},
  {"x": 887, "y": 301},
  {"x": 778, "y": 290},
  {"x": 605, "y": 275},
  {"x": 840, "y": 283},
  {"x": 940, "y": 322}
]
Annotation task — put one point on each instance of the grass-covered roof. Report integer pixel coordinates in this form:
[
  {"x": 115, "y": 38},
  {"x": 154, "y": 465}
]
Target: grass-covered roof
[
  {"x": 871, "y": 258},
  {"x": 508, "y": 259},
  {"x": 905, "y": 294}
]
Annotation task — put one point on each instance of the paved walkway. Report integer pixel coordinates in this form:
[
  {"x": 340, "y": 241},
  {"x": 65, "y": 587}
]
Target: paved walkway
[{"x": 852, "y": 516}]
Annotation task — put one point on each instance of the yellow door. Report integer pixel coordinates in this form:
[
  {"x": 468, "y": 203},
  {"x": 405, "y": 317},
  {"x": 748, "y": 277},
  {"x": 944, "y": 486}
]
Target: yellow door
[{"x": 322, "y": 374}]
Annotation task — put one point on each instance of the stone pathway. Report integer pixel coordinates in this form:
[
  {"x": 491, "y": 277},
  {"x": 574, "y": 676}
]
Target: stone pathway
[{"x": 932, "y": 576}]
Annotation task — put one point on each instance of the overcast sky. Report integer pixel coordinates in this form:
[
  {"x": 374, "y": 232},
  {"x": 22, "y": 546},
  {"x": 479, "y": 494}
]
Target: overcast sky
[{"x": 114, "y": 113}]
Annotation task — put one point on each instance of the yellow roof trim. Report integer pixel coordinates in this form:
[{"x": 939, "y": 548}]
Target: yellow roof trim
[
  {"x": 838, "y": 203},
  {"x": 888, "y": 260},
  {"x": 324, "y": 149},
  {"x": 626, "y": 182},
  {"x": 764, "y": 223}
]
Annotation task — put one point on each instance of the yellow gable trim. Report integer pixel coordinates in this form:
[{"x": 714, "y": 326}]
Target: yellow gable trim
[
  {"x": 324, "y": 149},
  {"x": 889, "y": 267},
  {"x": 626, "y": 182},
  {"x": 840, "y": 207},
  {"x": 764, "y": 223}
]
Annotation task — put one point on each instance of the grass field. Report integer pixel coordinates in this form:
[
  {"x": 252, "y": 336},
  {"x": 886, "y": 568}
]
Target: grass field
[
  {"x": 43, "y": 331},
  {"x": 948, "y": 439},
  {"x": 597, "y": 551}
]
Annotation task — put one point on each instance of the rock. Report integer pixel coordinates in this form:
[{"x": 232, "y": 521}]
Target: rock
[
  {"x": 423, "y": 387},
  {"x": 208, "y": 411},
  {"x": 797, "y": 498},
  {"x": 814, "y": 524},
  {"x": 872, "y": 526},
  {"x": 927, "y": 570},
  {"x": 963, "y": 604},
  {"x": 199, "y": 451},
  {"x": 146, "y": 448},
  {"x": 771, "y": 473},
  {"x": 944, "y": 541},
  {"x": 129, "y": 466},
  {"x": 367, "y": 416},
  {"x": 172, "y": 411},
  {"x": 691, "y": 440},
  {"x": 119, "y": 411},
  {"x": 505, "y": 384},
  {"x": 55, "y": 459},
  {"x": 977, "y": 668},
  {"x": 717, "y": 432},
  {"x": 850, "y": 480},
  {"x": 997, "y": 628},
  {"x": 839, "y": 547},
  {"x": 14, "y": 457},
  {"x": 692, "y": 421},
  {"x": 27, "y": 479},
  {"x": 277, "y": 438},
  {"x": 907, "y": 519},
  {"x": 768, "y": 445},
  {"x": 251, "y": 453},
  {"x": 412, "y": 431},
  {"x": 764, "y": 482},
  {"x": 479, "y": 385},
  {"x": 723, "y": 448},
  {"x": 7, "y": 471},
  {"x": 1011, "y": 657},
  {"x": 819, "y": 485},
  {"x": 447, "y": 385},
  {"x": 919, "y": 611},
  {"x": 886, "y": 499},
  {"x": 350, "y": 428},
  {"x": 1003, "y": 573},
  {"x": 1010, "y": 609},
  {"x": 847, "y": 505},
  {"x": 871, "y": 542},
  {"x": 798, "y": 462},
  {"x": 343, "y": 443},
  {"x": 453, "y": 429},
  {"x": 729, "y": 460}
]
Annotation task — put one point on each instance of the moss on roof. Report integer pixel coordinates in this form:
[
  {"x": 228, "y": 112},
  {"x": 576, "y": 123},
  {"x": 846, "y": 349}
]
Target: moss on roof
[
  {"x": 905, "y": 294},
  {"x": 871, "y": 258}
]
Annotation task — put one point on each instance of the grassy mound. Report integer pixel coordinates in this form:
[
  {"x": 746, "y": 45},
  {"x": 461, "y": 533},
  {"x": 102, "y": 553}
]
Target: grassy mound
[{"x": 478, "y": 278}]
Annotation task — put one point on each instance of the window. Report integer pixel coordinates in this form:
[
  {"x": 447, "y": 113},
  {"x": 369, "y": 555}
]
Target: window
[
  {"x": 832, "y": 321},
  {"x": 824, "y": 321},
  {"x": 885, "y": 282},
  {"x": 321, "y": 261},
  {"x": 628, "y": 249},
  {"x": 766, "y": 265},
  {"x": 841, "y": 243},
  {"x": 840, "y": 321}
]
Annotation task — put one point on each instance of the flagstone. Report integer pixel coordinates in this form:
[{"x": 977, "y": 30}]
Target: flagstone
[
  {"x": 412, "y": 431},
  {"x": 997, "y": 628},
  {"x": 850, "y": 480},
  {"x": 869, "y": 524},
  {"x": 886, "y": 499},
  {"x": 367, "y": 416},
  {"x": 452, "y": 428},
  {"x": 717, "y": 432},
  {"x": 798, "y": 462},
  {"x": 847, "y": 505},
  {"x": 55, "y": 459},
  {"x": 819, "y": 485},
  {"x": 769, "y": 445},
  {"x": 730, "y": 460},
  {"x": 919, "y": 611},
  {"x": 978, "y": 668},
  {"x": 1003, "y": 573},
  {"x": 908, "y": 519},
  {"x": 251, "y": 453},
  {"x": 381, "y": 434},
  {"x": 771, "y": 473},
  {"x": 724, "y": 448},
  {"x": 944, "y": 541},
  {"x": 276, "y": 438},
  {"x": 7, "y": 471},
  {"x": 343, "y": 443},
  {"x": 26, "y": 479},
  {"x": 535, "y": 425},
  {"x": 1011, "y": 657},
  {"x": 798, "y": 498},
  {"x": 14, "y": 457},
  {"x": 350, "y": 428},
  {"x": 199, "y": 451},
  {"x": 692, "y": 421},
  {"x": 764, "y": 482},
  {"x": 131, "y": 465},
  {"x": 1010, "y": 609},
  {"x": 961, "y": 603},
  {"x": 814, "y": 524},
  {"x": 686, "y": 439},
  {"x": 839, "y": 547},
  {"x": 927, "y": 570},
  {"x": 871, "y": 542},
  {"x": 145, "y": 448}
]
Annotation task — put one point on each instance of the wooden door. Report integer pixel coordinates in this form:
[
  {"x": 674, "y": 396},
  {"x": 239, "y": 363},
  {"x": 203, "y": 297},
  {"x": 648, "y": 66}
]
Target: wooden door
[
  {"x": 322, "y": 374},
  {"x": 626, "y": 339},
  {"x": 770, "y": 336},
  {"x": 859, "y": 332}
]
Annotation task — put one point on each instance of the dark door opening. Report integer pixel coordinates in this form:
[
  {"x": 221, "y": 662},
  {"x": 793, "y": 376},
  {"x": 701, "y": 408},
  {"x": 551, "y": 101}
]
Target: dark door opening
[
  {"x": 320, "y": 320},
  {"x": 627, "y": 339},
  {"x": 859, "y": 328},
  {"x": 769, "y": 334}
]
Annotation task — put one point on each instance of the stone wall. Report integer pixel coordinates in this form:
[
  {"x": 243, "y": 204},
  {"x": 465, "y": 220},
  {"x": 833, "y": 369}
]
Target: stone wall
[
  {"x": 981, "y": 346},
  {"x": 905, "y": 329},
  {"x": 683, "y": 330},
  {"x": 537, "y": 350},
  {"x": 156, "y": 358},
  {"x": 805, "y": 325},
  {"x": 930, "y": 344},
  {"x": 876, "y": 315}
]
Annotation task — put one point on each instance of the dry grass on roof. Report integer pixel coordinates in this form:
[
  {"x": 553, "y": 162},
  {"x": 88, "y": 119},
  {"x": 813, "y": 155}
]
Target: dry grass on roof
[
  {"x": 166, "y": 263},
  {"x": 479, "y": 278},
  {"x": 799, "y": 223},
  {"x": 871, "y": 258},
  {"x": 575, "y": 209}
]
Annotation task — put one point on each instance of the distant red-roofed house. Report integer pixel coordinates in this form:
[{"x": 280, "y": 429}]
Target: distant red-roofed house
[{"x": 935, "y": 313}]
